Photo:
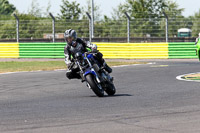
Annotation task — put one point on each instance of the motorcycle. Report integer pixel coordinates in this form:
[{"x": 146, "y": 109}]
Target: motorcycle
[
  {"x": 93, "y": 74},
  {"x": 198, "y": 49}
]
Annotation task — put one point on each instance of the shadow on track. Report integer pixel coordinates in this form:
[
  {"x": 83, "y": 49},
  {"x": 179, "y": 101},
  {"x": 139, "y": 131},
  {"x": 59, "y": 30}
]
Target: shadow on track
[{"x": 116, "y": 95}]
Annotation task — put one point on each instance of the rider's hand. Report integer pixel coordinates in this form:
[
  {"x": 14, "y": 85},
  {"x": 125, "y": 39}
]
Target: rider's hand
[
  {"x": 67, "y": 61},
  {"x": 94, "y": 46},
  {"x": 95, "y": 50}
]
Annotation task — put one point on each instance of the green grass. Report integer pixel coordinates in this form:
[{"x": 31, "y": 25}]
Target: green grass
[{"x": 15, "y": 66}]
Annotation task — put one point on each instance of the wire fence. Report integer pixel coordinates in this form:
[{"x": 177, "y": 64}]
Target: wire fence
[{"x": 41, "y": 29}]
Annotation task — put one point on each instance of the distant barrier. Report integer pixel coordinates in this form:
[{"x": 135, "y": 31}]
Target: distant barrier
[
  {"x": 182, "y": 50},
  {"x": 134, "y": 50},
  {"x": 41, "y": 50},
  {"x": 9, "y": 50},
  {"x": 109, "y": 50}
]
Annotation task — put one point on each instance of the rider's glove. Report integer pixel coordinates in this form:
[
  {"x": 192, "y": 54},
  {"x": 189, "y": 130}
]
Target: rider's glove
[
  {"x": 95, "y": 50},
  {"x": 67, "y": 62},
  {"x": 94, "y": 47}
]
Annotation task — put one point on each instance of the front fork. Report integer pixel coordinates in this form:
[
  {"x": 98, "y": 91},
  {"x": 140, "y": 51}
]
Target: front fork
[{"x": 92, "y": 70}]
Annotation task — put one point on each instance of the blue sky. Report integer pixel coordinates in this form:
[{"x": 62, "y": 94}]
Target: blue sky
[{"x": 106, "y": 6}]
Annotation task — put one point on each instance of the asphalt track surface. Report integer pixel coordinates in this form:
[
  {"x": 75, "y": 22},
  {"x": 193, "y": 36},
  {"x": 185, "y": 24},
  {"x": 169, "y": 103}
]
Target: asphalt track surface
[{"x": 149, "y": 99}]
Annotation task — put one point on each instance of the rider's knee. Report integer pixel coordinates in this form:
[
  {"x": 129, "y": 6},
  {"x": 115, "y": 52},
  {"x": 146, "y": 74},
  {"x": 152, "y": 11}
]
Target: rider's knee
[
  {"x": 72, "y": 75},
  {"x": 69, "y": 74},
  {"x": 99, "y": 55}
]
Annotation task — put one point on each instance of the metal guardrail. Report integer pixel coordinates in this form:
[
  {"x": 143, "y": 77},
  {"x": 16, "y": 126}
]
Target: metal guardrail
[
  {"x": 182, "y": 50},
  {"x": 9, "y": 50},
  {"x": 110, "y": 50}
]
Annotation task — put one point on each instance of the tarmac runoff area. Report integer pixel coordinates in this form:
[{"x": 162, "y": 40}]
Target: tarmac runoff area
[{"x": 149, "y": 99}]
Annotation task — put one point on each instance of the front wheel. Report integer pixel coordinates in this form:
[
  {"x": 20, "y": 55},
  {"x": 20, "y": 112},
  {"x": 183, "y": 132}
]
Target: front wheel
[
  {"x": 110, "y": 89},
  {"x": 95, "y": 86}
]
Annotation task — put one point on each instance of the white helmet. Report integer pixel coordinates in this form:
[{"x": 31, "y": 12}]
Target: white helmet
[{"x": 70, "y": 33}]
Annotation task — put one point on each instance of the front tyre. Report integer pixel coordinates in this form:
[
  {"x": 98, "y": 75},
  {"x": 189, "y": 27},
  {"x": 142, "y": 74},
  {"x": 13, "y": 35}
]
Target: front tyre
[
  {"x": 110, "y": 89},
  {"x": 95, "y": 86}
]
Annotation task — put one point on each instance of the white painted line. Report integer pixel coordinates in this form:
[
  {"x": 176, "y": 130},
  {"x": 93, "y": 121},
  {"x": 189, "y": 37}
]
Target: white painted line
[
  {"x": 20, "y": 72},
  {"x": 133, "y": 65},
  {"x": 60, "y": 69},
  {"x": 180, "y": 77},
  {"x": 11, "y": 73},
  {"x": 125, "y": 65},
  {"x": 151, "y": 63}
]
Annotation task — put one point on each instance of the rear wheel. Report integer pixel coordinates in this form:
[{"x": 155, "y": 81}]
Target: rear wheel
[
  {"x": 110, "y": 89},
  {"x": 95, "y": 86}
]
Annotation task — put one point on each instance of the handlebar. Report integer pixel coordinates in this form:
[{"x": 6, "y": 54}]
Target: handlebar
[{"x": 91, "y": 52}]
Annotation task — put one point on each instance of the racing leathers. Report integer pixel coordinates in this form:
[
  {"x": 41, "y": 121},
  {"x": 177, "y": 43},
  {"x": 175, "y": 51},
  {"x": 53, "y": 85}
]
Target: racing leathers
[{"x": 81, "y": 46}]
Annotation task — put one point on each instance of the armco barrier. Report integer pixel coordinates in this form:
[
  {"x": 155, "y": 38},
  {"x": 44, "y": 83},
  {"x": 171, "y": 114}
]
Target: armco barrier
[
  {"x": 134, "y": 50},
  {"x": 9, "y": 50},
  {"x": 110, "y": 50},
  {"x": 41, "y": 50},
  {"x": 182, "y": 50}
]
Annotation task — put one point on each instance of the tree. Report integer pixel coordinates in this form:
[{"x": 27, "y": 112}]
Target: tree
[
  {"x": 196, "y": 23},
  {"x": 70, "y": 18},
  {"x": 98, "y": 24},
  {"x": 70, "y": 10},
  {"x": 35, "y": 9},
  {"x": 176, "y": 19},
  {"x": 6, "y": 8},
  {"x": 147, "y": 15},
  {"x": 46, "y": 14},
  {"x": 7, "y": 29},
  {"x": 87, "y": 8},
  {"x": 140, "y": 8}
]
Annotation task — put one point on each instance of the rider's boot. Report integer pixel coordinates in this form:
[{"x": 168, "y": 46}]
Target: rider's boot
[
  {"x": 82, "y": 78},
  {"x": 107, "y": 68}
]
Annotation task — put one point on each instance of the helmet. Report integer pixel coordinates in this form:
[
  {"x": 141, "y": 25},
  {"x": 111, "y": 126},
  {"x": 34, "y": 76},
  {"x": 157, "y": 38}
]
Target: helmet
[{"x": 70, "y": 33}]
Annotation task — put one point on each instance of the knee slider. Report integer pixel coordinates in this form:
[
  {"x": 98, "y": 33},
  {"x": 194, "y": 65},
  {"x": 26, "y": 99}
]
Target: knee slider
[{"x": 69, "y": 75}]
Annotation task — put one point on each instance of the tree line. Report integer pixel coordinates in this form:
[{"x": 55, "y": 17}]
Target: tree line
[{"x": 147, "y": 19}]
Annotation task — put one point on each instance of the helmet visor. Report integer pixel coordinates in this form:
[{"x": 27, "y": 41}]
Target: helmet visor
[{"x": 69, "y": 39}]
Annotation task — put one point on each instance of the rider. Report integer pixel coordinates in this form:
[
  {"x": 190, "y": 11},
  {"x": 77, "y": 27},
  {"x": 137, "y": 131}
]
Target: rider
[
  {"x": 197, "y": 39},
  {"x": 75, "y": 45}
]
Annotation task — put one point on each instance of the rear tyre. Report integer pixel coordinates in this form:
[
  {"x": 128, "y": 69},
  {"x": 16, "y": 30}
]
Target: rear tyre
[
  {"x": 110, "y": 90},
  {"x": 96, "y": 87}
]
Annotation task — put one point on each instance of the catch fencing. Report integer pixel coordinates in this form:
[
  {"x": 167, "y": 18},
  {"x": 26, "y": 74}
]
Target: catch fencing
[{"x": 134, "y": 30}]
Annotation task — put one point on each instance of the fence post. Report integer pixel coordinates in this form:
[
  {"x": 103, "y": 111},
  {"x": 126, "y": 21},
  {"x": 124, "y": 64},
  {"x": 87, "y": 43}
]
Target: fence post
[
  {"x": 166, "y": 25},
  {"x": 53, "y": 26},
  {"x": 128, "y": 26},
  {"x": 17, "y": 27},
  {"x": 92, "y": 17},
  {"x": 90, "y": 26}
]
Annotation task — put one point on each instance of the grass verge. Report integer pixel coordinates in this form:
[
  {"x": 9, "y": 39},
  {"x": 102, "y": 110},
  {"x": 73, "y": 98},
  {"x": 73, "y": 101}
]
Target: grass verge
[{"x": 15, "y": 66}]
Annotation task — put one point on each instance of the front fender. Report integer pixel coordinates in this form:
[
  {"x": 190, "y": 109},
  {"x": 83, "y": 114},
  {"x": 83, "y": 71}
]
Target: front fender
[
  {"x": 93, "y": 73},
  {"x": 90, "y": 72}
]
